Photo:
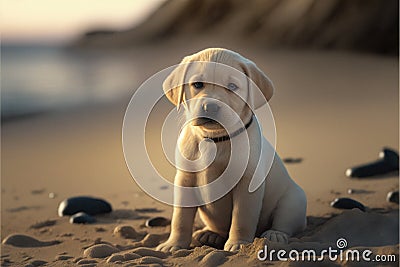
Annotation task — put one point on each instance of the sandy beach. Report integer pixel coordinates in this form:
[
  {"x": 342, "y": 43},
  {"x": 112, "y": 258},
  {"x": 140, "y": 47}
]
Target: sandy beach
[{"x": 333, "y": 110}]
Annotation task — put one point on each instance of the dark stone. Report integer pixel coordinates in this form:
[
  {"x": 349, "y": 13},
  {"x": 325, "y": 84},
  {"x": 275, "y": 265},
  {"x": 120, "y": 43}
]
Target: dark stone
[
  {"x": 38, "y": 262},
  {"x": 388, "y": 162},
  {"x": 25, "y": 241},
  {"x": 347, "y": 203},
  {"x": 292, "y": 160},
  {"x": 81, "y": 217},
  {"x": 89, "y": 205},
  {"x": 393, "y": 196},
  {"x": 63, "y": 257},
  {"x": 157, "y": 221}
]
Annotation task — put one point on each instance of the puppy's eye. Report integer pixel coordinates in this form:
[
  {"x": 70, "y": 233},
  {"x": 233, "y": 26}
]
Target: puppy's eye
[
  {"x": 198, "y": 85},
  {"x": 232, "y": 86}
]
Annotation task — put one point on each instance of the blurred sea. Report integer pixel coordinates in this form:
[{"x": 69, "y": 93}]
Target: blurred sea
[{"x": 42, "y": 78}]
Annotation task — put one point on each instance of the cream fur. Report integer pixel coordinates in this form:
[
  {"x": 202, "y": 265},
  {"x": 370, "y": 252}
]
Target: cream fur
[{"x": 276, "y": 210}]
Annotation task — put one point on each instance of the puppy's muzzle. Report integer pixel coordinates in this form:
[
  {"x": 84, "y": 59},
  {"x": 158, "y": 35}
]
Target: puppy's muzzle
[{"x": 207, "y": 113}]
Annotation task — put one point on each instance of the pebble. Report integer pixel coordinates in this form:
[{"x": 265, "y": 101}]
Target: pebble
[
  {"x": 115, "y": 257},
  {"x": 157, "y": 221},
  {"x": 181, "y": 253},
  {"x": 393, "y": 196},
  {"x": 152, "y": 240},
  {"x": 126, "y": 231},
  {"x": 6, "y": 262},
  {"x": 131, "y": 256},
  {"x": 24, "y": 241},
  {"x": 81, "y": 217},
  {"x": 63, "y": 257},
  {"x": 388, "y": 162},
  {"x": 292, "y": 160},
  {"x": 38, "y": 262},
  {"x": 89, "y": 205},
  {"x": 100, "y": 251},
  {"x": 347, "y": 203},
  {"x": 52, "y": 195}
]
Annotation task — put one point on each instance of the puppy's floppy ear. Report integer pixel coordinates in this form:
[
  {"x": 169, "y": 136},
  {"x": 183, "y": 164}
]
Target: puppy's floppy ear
[
  {"x": 173, "y": 85},
  {"x": 257, "y": 77}
]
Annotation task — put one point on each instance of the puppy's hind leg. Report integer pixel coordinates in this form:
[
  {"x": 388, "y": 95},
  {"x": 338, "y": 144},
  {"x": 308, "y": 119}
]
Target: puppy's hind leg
[
  {"x": 289, "y": 216},
  {"x": 209, "y": 238}
]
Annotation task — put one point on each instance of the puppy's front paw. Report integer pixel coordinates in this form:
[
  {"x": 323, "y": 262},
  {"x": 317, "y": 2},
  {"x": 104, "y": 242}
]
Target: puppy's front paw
[
  {"x": 209, "y": 238},
  {"x": 234, "y": 245},
  {"x": 276, "y": 236},
  {"x": 172, "y": 245}
]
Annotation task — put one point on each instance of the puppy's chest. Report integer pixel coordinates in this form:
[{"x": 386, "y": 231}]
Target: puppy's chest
[
  {"x": 215, "y": 156},
  {"x": 201, "y": 150},
  {"x": 218, "y": 165},
  {"x": 219, "y": 162}
]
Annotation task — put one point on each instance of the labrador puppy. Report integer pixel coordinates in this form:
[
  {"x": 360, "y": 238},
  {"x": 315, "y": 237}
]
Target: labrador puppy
[{"x": 276, "y": 208}]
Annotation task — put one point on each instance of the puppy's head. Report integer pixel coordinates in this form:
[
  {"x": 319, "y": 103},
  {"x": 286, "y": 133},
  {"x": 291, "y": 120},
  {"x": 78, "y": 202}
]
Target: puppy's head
[{"x": 217, "y": 86}]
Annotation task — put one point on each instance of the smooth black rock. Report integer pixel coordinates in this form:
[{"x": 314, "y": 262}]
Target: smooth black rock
[
  {"x": 157, "y": 221},
  {"x": 393, "y": 196},
  {"x": 347, "y": 203},
  {"x": 292, "y": 160},
  {"x": 388, "y": 162},
  {"x": 81, "y": 217},
  {"x": 89, "y": 205},
  {"x": 38, "y": 263}
]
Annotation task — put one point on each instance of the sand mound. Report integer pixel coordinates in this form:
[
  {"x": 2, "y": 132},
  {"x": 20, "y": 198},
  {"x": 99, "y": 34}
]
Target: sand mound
[
  {"x": 128, "y": 232},
  {"x": 100, "y": 251},
  {"x": 25, "y": 241},
  {"x": 357, "y": 228},
  {"x": 213, "y": 258}
]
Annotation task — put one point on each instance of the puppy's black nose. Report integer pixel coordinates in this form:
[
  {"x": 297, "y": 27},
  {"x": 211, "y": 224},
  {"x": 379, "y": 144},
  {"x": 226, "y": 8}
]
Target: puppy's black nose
[{"x": 210, "y": 107}]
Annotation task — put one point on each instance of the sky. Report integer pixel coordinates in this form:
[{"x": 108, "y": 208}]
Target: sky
[{"x": 63, "y": 20}]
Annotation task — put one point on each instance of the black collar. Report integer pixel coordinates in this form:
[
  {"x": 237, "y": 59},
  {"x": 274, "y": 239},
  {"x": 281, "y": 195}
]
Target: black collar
[{"x": 235, "y": 133}]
